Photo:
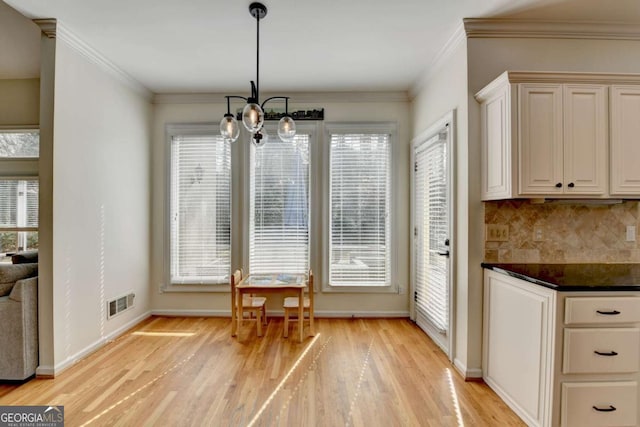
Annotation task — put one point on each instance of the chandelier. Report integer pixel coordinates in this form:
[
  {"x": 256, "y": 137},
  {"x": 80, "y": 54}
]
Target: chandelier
[{"x": 253, "y": 112}]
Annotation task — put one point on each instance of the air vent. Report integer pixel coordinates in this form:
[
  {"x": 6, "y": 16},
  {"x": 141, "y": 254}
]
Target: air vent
[{"x": 119, "y": 305}]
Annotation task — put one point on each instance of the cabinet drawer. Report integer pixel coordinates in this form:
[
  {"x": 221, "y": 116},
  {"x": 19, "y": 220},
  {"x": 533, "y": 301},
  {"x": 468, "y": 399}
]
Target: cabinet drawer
[
  {"x": 617, "y": 402},
  {"x": 603, "y": 350},
  {"x": 605, "y": 310}
]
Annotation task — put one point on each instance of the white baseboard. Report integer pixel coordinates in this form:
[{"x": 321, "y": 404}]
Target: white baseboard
[
  {"x": 45, "y": 371},
  {"x": 71, "y": 360},
  {"x": 280, "y": 313},
  {"x": 467, "y": 373},
  {"x": 191, "y": 313},
  {"x": 362, "y": 314}
]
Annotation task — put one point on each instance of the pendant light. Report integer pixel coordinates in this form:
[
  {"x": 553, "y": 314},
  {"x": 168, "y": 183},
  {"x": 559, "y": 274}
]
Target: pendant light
[{"x": 253, "y": 111}]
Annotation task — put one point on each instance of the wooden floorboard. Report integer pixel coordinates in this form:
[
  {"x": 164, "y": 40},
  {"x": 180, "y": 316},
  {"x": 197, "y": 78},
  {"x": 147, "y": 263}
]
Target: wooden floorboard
[{"x": 171, "y": 371}]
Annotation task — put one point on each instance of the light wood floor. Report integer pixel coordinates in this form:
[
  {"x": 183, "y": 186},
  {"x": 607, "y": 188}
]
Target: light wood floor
[{"x": 190, "y": 372}]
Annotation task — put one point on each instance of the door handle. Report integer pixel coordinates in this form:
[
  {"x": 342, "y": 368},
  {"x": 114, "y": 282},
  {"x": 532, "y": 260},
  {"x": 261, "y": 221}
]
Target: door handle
[{"x": 443, "y": 253}]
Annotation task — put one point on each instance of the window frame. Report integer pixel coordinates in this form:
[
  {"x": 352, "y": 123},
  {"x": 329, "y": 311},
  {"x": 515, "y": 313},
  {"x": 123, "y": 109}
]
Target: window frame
[
  {"x": 191, "y": 129},
  {"x": 19, "y": 167},
  {"x": 389, "y": 128}
]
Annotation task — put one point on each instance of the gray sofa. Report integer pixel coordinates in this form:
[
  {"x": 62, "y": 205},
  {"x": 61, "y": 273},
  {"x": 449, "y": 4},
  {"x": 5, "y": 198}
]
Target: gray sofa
[{"x": 19, "y": 320}]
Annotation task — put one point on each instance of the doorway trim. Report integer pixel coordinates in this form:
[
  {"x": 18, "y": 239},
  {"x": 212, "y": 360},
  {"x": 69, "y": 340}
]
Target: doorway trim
[{"x": 448, "y": 120}]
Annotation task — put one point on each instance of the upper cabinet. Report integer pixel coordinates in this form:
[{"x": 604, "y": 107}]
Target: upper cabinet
[
  {"x": 546, "y": 135},
  {"x": 625, "y": 141}
]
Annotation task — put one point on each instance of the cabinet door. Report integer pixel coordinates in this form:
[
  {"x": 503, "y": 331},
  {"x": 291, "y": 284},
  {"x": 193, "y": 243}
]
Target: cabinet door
[
  {"x": 497, "y": 175},
  {"x": 585, "y": 139},
  {"x": 625, "y": 143},
  {"x": 519, "y": 321},
  {"x": 540, "y": 153}
]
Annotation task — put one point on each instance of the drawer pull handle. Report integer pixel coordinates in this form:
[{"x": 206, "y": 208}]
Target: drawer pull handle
[
  {"x": 608, "y": 313},
  {"x": 611, "y": 408},
  {"x": 611, "y": 353}
]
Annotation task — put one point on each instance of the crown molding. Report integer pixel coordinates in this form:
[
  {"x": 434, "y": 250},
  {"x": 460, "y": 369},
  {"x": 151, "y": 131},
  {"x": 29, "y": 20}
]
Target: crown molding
[
  {"x": 456, "y": 39},
  {"x": 526, "y": 28},
  {"x": 295, "y": 97},
  {"x": 556, "y": 77},
  {"x": 47, "y": 26},
  {"x": 53, "y": 28},
  {"x": 570, "y": 77}
]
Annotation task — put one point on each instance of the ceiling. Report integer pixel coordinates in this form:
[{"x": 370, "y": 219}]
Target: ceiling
[{"x": 175, "y": 46}]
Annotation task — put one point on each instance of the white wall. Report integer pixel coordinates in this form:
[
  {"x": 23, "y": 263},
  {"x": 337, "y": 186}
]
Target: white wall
[
  {"x": 444, "y": 90},
  {"x": 349, "y": 109},
  {"x": 20, "y": 102},
  {"x": 100, "y": 215}
]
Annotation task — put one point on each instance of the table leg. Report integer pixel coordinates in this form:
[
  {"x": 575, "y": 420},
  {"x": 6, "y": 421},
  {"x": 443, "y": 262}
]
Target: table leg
[
  {"x": 240, "y": 311},
  {"x": 311, "y": 330},
  {"x": 234, "y": 325},
  {"x": 301, "y": 313}
]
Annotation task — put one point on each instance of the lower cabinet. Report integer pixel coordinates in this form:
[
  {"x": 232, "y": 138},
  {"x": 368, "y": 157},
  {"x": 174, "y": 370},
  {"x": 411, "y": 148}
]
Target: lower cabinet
[
  {"x": 562, "y": 358},
  {"x": 586, "y": 404}
]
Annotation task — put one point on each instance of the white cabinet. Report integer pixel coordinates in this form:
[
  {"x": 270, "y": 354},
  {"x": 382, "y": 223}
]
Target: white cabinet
[
  {"x": 562, "y": 358},
  {"x": 593, "y": 404},
  {"x": 562, "y": 139},
  {"x": 540, "y": 139},
  {"x": 498, "y": 155},
  {"x": 598, "y": 350},
  {"x": 585, "y": 137},
  {"x": 519, "y": 322},
  {"x": 546, "y": 135},
  {"x": 625, "y": 144}
]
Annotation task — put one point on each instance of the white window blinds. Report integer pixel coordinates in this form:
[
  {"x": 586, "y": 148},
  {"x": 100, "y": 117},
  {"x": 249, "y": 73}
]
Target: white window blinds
[
  {"x": 360, "y": 177},
  {"x": 279, "y": 206},
  {"x": 200, "y": 187},
  {"x": 18, "y": 215},
  {"x": 432, "y": 229}
]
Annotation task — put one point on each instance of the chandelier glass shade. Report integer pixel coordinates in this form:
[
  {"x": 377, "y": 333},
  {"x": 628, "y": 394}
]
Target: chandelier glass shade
[{"x": 253, "y": 111}]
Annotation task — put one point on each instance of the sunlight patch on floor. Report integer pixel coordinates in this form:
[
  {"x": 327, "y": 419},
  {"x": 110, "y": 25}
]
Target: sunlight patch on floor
[
  {"x": 355, "y": 397},
  {"x": 454, "y": 398},
  {"x": 281, "y": 384},
  {"x": 124, "y": 399}
]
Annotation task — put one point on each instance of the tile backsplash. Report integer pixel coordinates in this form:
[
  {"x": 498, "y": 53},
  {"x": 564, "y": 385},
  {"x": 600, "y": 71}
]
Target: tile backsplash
[{"x": 562, "y": 233}]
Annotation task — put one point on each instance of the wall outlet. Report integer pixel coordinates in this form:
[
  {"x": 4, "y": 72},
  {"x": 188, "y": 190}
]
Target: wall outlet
[
  {"x": 497, "y": 233},
  {"x": 631, "y": 233}
]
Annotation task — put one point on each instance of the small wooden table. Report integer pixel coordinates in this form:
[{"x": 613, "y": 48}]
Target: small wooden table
[{"x": 271, "y": 283}]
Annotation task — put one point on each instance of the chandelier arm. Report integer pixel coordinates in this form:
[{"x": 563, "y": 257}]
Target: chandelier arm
[{"x": 229, "y": 103}]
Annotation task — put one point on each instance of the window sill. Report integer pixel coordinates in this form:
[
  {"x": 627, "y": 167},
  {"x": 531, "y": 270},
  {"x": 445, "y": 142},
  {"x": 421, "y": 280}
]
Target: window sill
[
  {"x": 212, "y": 288},
  {"x": 390, "y": 289}
]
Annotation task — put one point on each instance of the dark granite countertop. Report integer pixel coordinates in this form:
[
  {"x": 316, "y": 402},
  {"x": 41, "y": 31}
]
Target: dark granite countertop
[{"x": 575, "y": 277}]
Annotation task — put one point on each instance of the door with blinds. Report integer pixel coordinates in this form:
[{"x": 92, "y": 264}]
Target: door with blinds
[{"x": 432, "y": 247}]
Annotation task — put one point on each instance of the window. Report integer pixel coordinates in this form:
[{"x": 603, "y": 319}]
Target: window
[
  {"x": 200, "y": 208},
  {"x": 360, "y": 203},
  {"x": 279, "y": 206},
  {"x": 18, "y": 215},
  {"x": 19, "y": 151}
]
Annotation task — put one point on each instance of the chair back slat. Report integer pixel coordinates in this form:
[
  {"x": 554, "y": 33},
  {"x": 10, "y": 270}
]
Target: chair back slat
[{"x": 236, "y": 277}]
